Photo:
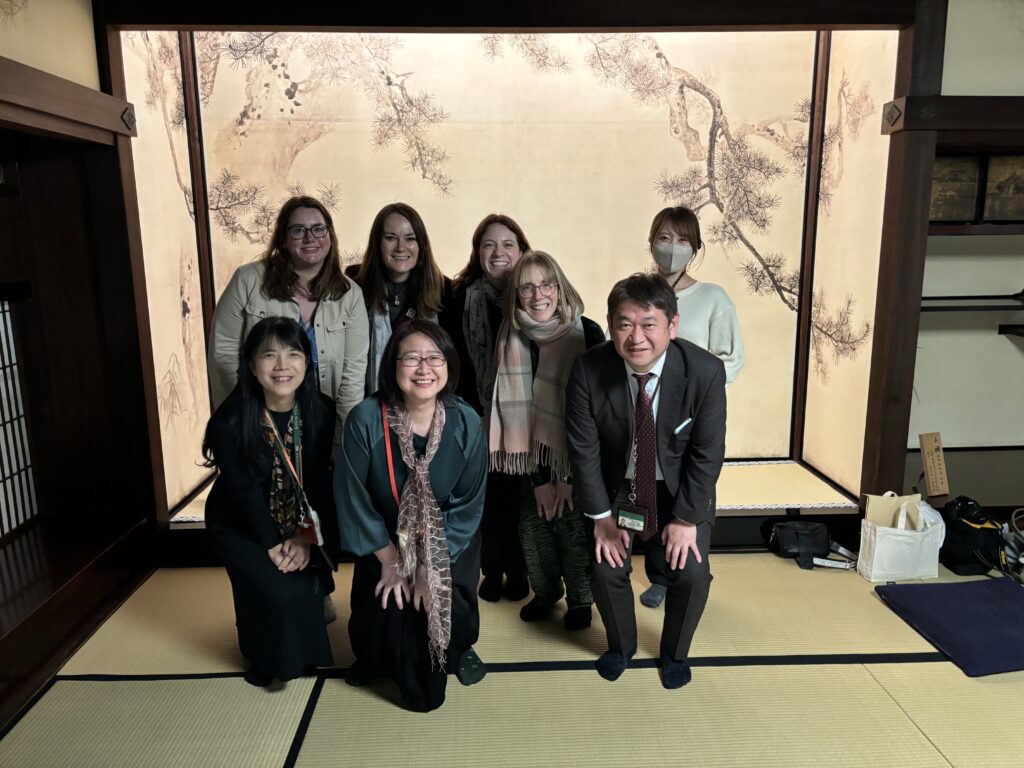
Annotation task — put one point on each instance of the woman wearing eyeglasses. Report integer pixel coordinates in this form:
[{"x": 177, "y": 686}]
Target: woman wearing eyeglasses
[
  {"x": 543, "y": 332},
  {"x": 409, "y": 485},
  {"x": 299, "y": 276}
]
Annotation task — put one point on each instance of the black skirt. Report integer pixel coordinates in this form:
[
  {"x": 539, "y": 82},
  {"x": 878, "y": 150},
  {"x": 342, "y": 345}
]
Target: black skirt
[
  {"x": 279, "y": 616},
  {"x": 392, "y": 643}
]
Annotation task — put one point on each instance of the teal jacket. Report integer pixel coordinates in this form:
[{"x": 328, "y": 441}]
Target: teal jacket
[{"x": 367, "y": 512}]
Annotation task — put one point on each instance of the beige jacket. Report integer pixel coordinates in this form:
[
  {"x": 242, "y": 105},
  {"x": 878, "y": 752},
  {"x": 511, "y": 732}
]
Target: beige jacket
[{"x": 342, "y": 337}]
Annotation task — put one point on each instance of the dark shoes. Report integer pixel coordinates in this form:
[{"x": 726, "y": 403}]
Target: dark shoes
[
  {"x": 490, "y": 589},
  {"x": 471, "y": 669},
  {"x": 358, "y": 674},
  {"x": 516, "y": 588},
  {"x": 674, "y": 674},
  {"x": 253, "y": 677},
  {"x": 611, "y": 665},
  {"x": 653, "y": 596},
  {"x": 534, "y": 611},
  {"x": 577, "y": 618}
]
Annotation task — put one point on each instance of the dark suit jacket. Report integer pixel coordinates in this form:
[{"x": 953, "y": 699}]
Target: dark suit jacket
[{"x": 599, "y": 415}]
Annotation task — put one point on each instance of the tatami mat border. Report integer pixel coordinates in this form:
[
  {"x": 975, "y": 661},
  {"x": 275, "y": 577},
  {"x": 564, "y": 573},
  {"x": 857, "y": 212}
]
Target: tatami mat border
[
  {"x": 303, "y": 727},
  {"x": 575, "y": 665}
]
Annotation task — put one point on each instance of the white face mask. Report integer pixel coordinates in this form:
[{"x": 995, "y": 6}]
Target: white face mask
[{"x": 672, "y": 257}]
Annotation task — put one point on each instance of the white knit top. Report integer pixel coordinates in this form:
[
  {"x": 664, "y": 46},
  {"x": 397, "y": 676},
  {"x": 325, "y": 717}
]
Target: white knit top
[{"x": 707, "y": 318}]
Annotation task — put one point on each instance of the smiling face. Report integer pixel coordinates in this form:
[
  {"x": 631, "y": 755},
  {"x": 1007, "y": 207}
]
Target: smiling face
[
  {"x": 280, "y": 371},
  {"x": 307, "y": 251},
  {"x": 669, "y": 235},
  {"x": 538, "y": 294},
  {"x": 499, "y": 252},
  {"x": 399, "y": 249},
  {"x": 641, "y": 334},
  {"x": 420, "y": 384}
]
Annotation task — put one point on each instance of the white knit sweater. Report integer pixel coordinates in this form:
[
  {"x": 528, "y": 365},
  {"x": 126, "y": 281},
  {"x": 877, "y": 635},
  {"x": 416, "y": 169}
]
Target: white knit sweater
[{"x": 707, "y": 318}]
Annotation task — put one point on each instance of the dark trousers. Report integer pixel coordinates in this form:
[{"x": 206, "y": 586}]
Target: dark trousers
[
  {"x": 501, "y": 551},
  {"x": 688, "y": 590},
  {"x": 557, "y": 552}
]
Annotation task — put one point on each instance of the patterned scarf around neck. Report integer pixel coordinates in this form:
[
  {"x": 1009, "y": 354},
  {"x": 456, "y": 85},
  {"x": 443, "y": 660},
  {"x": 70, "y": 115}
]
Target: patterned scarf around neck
[
  {"x": 285, "y": 504},
  {"x": 527, "y": 424},
  {"x": 421, "y": 536},
  {"x": 476, "y": 327}
]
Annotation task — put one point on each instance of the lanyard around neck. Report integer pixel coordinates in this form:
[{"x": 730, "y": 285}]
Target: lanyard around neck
[{"x": 296, "y": 424}]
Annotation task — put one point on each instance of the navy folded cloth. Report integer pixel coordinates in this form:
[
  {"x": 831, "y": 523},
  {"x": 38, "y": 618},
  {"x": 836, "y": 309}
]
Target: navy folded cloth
[{"x": 979, "y": 625}]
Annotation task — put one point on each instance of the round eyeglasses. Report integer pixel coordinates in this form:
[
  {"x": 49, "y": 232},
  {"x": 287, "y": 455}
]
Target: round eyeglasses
[
  {"x": 298, "y": 232},
  {"x": 413, "y": 360},
  {"x": 541, "y": 289}
]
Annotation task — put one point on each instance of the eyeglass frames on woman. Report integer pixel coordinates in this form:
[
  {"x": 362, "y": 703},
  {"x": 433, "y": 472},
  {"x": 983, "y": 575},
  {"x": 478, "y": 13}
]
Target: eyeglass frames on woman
[
  {"x": 298, "y": 232},
  {"x": 413, "y": 361},
  {"x": 543, "y": 289}
]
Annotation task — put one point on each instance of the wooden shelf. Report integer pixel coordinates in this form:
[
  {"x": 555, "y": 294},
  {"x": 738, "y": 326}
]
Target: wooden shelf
[
  {"x": 1006, "y": 303},
  {"x": 986, "y": 228}
]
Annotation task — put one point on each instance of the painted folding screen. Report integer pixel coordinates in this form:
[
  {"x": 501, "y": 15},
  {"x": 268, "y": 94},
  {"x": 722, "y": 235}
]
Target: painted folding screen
[
  {"x": 581, "y": 138},
  {"x": 153, "y": 78},
  {"x": 861, "y": 74}
]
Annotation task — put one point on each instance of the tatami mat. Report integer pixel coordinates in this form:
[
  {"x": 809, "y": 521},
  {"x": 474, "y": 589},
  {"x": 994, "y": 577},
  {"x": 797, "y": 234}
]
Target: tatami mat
[
  {"x": 974, "y": 721},
  {"x": 788, "y": 671},
  {"x": 775, "y": 486},
  {"x": 181, "y": 621},
  {"x": 157, "y": 723},
  {"x": 756, "y": 716}
]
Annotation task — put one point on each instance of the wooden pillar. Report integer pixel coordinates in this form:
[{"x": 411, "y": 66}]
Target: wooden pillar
[{"x": 901, "y": 264}]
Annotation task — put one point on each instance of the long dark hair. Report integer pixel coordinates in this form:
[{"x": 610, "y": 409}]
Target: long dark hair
[
  {"x": 247, "y": 401},
  {"x": 473, "y": 271},
  {"x": 426, "y": 281},
  {"x": 389, "y": 362},
  {"x": 279, "y": 277}
]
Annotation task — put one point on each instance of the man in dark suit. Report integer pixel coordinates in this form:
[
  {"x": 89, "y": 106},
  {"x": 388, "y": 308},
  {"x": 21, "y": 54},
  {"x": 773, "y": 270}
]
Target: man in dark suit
[{"x": 646, "y": 426}]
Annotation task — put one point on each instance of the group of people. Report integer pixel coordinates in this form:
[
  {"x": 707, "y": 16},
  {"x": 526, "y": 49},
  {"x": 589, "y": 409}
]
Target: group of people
[{"x": 438, "y": 429}]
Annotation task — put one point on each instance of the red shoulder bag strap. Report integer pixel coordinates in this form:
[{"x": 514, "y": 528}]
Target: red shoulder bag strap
[{"x": 387, "y": 445}]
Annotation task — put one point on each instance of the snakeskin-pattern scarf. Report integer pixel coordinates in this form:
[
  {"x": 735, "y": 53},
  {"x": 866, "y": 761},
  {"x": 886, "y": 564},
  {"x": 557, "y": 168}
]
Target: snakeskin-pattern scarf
[
  {"x": 285, "y": 506},
  {"x": 421, "y": 536}
]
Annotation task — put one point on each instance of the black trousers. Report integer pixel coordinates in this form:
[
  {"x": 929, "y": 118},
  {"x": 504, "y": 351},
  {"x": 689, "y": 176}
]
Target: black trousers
[
  {"x": 687, "y": 596},
  {"x": 392, "y": 642},
  {"x": 502, "y": 552}
]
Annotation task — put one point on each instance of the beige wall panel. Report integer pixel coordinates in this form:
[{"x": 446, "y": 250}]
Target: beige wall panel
[
  {"x": 984, "y": 48},
  {"x": 533, "y": 131},
  {"x": 968, "y": 378},
  {"x": 862, "y": 70},
  {"x": 55, "y": 36},
  {"x": 160, "y": 154},
  {"x": 992, "y": 265}
]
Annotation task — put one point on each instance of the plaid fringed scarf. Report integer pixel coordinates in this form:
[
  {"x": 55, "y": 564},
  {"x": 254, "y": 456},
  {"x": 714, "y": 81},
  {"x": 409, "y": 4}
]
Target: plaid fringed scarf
[
  {"x": 527, "y": 424},
  {"x": 421, "y": 536}
]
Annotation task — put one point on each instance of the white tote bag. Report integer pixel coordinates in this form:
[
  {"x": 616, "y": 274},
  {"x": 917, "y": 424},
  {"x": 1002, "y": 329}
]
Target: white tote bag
[{"x": 900, "y": 538}]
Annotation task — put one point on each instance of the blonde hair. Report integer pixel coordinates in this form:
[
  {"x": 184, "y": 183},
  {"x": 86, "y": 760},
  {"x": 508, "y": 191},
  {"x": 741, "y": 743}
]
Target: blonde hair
[{"x": 570, "y": 305}]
